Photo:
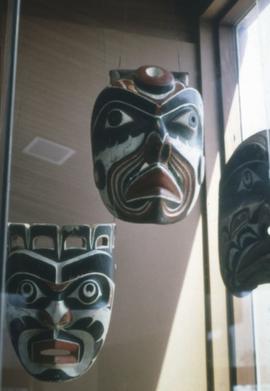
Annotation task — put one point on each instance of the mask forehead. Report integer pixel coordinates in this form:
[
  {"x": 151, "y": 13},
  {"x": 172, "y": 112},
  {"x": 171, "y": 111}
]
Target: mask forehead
[
  {"x": 49, "y": 251},
  {"x": 60, "y": 293},
  {"x": 244, "y": 216},
  {"x": 148, "y": 124}
]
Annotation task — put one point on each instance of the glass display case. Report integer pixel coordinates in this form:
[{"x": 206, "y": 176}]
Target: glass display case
[{"x": 174, "y": 324}]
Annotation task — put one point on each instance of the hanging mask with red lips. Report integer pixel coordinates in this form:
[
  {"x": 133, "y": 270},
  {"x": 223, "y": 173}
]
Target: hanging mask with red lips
[
  {"x": 60, "y": 289},
  {"x": 147, "y": 144}
]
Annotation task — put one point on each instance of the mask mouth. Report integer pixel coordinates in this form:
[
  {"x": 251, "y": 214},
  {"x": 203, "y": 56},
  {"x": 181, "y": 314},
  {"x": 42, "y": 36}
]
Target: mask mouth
[
  {"x": 55, "y": 351},
  {"x": 154, "y": 182}
]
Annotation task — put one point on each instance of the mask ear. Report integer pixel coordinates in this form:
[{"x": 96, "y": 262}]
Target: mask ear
[
  {"x": 43, "y": 238},
  {"x": 17, "y": 237},
  {"x": 40, "y": 238},
  {"x": 183, "y": 77},
  {"x": 103, "y": 238},
  {"x": 77, "y": 237},
  {"x": 118, "y": 74}
]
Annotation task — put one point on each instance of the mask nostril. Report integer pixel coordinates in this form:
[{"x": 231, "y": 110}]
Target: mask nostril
[
  {"x": 45, "y": 319},
  {"x": 66, "y": 319},
  {"x": 165, "y": 152},
  {"x": 152, "y": 148}
]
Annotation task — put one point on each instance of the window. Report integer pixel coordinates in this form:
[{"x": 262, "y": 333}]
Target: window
[
  {"x": 252, "y": 34},
  {"x": 245, "y": 90}
]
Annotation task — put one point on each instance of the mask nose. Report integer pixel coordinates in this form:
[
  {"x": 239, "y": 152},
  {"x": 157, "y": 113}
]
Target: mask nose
[
  {"x": 157, "y": 149},
  {"x": 160, "y": 128},
  {"x": 56, "y": 315}
]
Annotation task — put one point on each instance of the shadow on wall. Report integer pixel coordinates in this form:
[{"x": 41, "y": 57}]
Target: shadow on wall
[{"x": 155, "y": 17}]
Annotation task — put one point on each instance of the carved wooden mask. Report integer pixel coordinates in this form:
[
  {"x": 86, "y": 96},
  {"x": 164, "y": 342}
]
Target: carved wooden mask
[
  {"x": 147, "y": 144},
  {"x": 60, "y": 293},
  {"x": 244, "y": 216}
]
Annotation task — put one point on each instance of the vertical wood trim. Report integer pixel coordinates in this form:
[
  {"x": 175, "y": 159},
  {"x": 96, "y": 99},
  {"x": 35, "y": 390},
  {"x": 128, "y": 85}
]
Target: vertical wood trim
[
  {"x": 239, "y": 310},
  {"x": 219, "y": 329},
  {"x": 229, "y": 90}
]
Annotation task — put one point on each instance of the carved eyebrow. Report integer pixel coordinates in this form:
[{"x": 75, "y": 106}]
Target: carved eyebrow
[
  {"x": 31, "y": 263},
  {"x": 59, "y": 272},
  {"x": 100, "y": 262},
  {"x": 187, "y": 97}
]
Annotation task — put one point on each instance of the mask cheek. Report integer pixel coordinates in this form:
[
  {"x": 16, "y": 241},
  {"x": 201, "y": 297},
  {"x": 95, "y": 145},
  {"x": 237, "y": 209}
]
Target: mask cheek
[
  {"x": 102, "y": 316},
  {"x": 105, "y": 159},
  {"x": 18, "y": 313},
  {"x": 193, "y": 155},
  {"x": 21, "y": 330},
  {"x": 100, "y": 174},
  {"x": 93, "y": 334}
]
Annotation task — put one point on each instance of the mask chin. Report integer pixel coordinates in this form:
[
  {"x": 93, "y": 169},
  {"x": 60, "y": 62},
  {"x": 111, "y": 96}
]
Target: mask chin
[{"x": 67, "y": 357}]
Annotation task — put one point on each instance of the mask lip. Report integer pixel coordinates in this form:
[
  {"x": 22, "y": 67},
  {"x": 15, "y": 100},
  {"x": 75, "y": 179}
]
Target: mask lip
[
  {"x": 55, "y": 351},
  {"x": 164, "y": 186}
]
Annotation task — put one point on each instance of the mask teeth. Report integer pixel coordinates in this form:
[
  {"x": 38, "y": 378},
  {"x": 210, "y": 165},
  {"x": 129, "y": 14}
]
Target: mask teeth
[{"x": 144, "y": 166}]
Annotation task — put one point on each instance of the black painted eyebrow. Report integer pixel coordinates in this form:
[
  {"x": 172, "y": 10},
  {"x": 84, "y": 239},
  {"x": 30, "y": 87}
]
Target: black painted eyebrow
[
  {"x": 189, "y": 97},
  {"x": 93, "y": 263},
  {"x": 112, "y": 94},
  {"x": 25, "y": 263},
  {"x": 21, "y": 262}
]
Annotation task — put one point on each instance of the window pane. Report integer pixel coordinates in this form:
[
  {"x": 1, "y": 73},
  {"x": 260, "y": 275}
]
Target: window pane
[{"x": 254, "y": 60}]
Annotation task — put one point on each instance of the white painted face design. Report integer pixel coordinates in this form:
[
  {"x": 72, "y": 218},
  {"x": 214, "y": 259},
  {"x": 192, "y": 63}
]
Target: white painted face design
[
  {"x": 244, "y": 216},
  {"x": 60, "y": 294},
  {"x": 147, "y": 142}
]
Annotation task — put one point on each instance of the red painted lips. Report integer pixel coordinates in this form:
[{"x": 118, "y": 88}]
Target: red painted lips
[
  {"x": 55, "y": 352},
  {"x": 154, "y": 182}
]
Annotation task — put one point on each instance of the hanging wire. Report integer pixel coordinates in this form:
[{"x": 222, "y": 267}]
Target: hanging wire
[
  {"x": 178, "y": 60},
  {"x": 122, "y": 40},
  {"x": 119, "y": 61}
]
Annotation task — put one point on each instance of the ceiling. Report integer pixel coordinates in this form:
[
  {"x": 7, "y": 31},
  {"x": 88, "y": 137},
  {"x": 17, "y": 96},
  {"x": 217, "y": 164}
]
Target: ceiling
[{"x": 66, "y": 49}]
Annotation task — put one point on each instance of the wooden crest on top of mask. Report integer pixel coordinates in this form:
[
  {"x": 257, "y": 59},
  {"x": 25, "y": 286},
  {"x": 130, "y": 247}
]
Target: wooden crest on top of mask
[
  {"x": 244, "y": 216},
  {"x": 147, "y": 144}
]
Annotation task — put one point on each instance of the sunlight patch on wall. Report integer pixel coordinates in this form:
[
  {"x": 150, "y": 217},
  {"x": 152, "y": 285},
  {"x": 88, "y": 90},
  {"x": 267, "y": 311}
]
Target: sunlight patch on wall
[{"x": 184, "y": 364}]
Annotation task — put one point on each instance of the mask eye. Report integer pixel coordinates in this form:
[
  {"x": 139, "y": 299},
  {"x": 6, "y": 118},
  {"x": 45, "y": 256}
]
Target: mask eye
[
  {"x": 248, "y": 179},
  {"x": 189, "y": 119},
  {"x": 28, "y": 291},
  {"x": 89, "y": 292},
  {"x": 117, "y": 118}
]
